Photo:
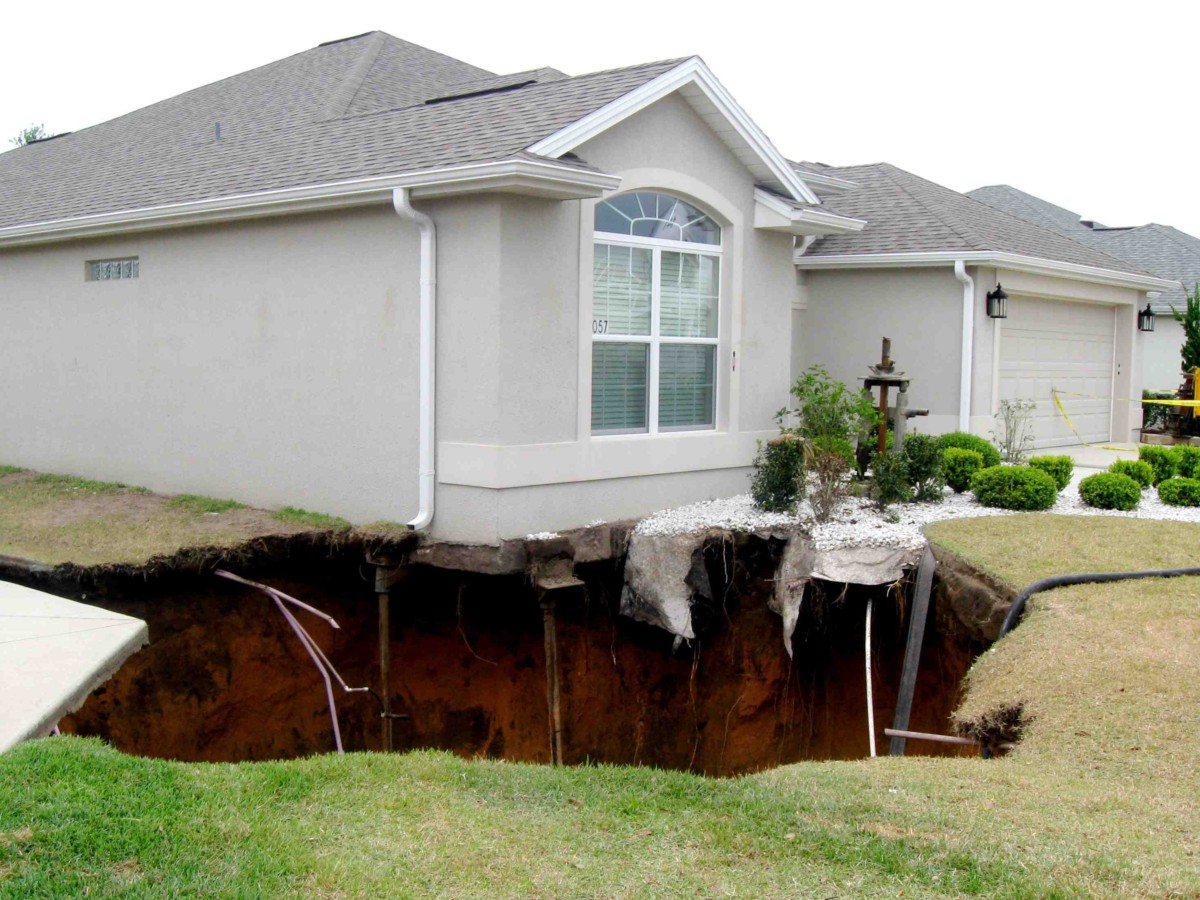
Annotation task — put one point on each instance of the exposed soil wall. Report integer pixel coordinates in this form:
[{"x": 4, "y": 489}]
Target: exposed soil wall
[{"x": 225, "y": 679}]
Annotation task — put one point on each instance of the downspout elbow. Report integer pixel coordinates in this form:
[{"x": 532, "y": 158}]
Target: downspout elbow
[
  {"x": 968, "y": 337},
  {"x": 427, "y": 363}
]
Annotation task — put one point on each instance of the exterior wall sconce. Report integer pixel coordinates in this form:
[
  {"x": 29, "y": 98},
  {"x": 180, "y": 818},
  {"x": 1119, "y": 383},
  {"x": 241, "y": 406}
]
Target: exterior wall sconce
[
  {"x": 1146, "y": 319},
  {"x": 997, "y": 303}
]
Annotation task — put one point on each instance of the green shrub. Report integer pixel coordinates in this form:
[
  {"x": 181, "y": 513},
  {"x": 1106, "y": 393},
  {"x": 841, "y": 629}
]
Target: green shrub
[
  {"x": 778, "y": 468},
  {"x": 924, "y": 456},
  {"x": 959, "y": 465},
  {"x": 1162, "y": 459},
  {"x": 1110, "y": 490},
  {"x": 1141, "y": 472},
  {"x": 890, "y": 482},
  {"x": 1014, "y": 487},
  {"x": 1187, "y": 461},
  {"x": 965, "y": 441},
  {"x": 1060, "y": 468},
  {"x": 1180, "y": 492},
  {"x": 826, "y": 408}
]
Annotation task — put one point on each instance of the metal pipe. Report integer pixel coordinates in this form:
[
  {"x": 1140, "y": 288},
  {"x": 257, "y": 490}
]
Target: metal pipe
[
  {"x": 899, "y": 734},
  {"x": 385, "y": 657},
  {"x": 912, "y": 649},
  {"x": 401, "y": 202},
  {"x": 550, "y": 631}
]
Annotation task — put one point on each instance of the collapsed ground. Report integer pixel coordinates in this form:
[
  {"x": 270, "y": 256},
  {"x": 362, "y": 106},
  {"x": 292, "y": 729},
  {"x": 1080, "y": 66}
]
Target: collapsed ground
[{"x": 1100, "y": 798}]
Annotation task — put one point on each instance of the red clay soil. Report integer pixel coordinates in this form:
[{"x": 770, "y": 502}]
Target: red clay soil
[{"x": 225, "y": 679}]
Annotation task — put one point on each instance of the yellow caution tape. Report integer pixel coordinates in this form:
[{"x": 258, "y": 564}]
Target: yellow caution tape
[
  {"x": 1189, "y": 403},
  {"x": 1062, "y": 409}
]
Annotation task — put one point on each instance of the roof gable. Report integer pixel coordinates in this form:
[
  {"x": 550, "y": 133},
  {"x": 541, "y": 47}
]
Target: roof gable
[{"x": 696, "y": 83}]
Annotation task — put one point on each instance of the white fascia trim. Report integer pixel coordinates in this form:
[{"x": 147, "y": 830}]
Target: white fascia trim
[
  {"x": 828, "y": 182},
  {"x": 1014, "y": 261},
  {"x": 772, "y": 213},
  {"x": 690, "y": 71},
  {"x": 518, "y": 176}
]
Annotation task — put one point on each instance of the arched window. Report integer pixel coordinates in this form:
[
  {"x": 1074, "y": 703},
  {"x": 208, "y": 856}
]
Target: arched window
[{"x": 655, "y": 313}]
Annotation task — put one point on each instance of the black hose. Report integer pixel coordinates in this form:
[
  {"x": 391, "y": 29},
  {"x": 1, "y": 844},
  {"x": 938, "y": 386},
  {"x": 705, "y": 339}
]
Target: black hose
[{"x": 1018, "y": 606}]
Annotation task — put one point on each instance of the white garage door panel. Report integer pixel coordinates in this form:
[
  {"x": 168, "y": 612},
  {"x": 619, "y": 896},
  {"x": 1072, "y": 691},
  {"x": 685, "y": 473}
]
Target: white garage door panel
[{"x": 1047, "y": 345}]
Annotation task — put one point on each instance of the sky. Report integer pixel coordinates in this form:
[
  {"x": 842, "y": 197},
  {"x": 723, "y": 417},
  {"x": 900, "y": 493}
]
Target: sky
[{"x": 1092, "y": 106}]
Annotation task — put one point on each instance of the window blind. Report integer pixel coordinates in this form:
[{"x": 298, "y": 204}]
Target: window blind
[
  {"x": 686, "y": 375},
  {"x": 620, "y": 374}
]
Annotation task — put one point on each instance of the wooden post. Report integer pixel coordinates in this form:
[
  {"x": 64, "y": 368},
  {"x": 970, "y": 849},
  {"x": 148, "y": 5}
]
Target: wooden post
[
  {"x": 883, "y": 408},
  {"x": 551, "y": 639},
  {"x": 912, "y": 649},
  {"x": 383, "y": 592}
]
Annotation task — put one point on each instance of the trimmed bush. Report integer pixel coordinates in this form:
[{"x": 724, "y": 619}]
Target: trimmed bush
[
  {"x": 1162, "y": 459},
  {"x": 1141, "y": 472},
  {"x": 1180, "y": 492},
  {"x": 1110, "y": 490},
  {"x": 924, "y": 455},
  {"x": 1187, "y": 461},
  {"x": 965, "y": 441},
  {"x": 959, "y": 465},
  {"x": 778, "y": 468},
  {"x": 1060, "y": 468},
  {"x": 890, "y": 482},
  {"x": 1014, "y": 487}
]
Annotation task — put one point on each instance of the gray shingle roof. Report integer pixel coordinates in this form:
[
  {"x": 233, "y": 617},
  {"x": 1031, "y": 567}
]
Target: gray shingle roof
[
  {"x": 1159, "y": 249},
  {"x": 908, "y": 214},
  {"x": 351, "y": 109}
]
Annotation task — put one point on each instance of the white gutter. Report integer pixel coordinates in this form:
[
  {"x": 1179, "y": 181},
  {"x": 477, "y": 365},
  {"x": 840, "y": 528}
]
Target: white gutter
[
  {"x": 992, "y": 258},
  {"x": 968, "y": 336},
  {"x": 427, "y": 357}
]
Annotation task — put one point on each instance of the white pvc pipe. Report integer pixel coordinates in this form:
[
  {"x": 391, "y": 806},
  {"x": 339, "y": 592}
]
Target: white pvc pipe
[
  {"x": 968, "y": 336},
  {"x": 870, "y": 691},
  {"x": 427, "y": 356}
]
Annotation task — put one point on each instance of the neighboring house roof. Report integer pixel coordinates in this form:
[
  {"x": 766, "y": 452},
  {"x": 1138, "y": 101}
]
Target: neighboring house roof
[
  {"x": 1159, "y": 249},
  {"x": 371, "y": 105},
  {"x": 907, "y": 214}
]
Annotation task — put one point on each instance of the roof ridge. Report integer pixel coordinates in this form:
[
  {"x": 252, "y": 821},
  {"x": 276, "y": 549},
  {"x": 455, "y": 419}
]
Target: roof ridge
[
  {"x": 963, "y": 232},
  {"x": 343, "y": 98}
]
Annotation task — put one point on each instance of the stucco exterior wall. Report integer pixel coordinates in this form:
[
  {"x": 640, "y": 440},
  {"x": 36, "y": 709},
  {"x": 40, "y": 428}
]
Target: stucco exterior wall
[
  {"x": 535, "y": 466},
  {"x": 1160, "y": 354},
  {"x": 920, "y": 309},
  {"x": 270, "y": 361}
]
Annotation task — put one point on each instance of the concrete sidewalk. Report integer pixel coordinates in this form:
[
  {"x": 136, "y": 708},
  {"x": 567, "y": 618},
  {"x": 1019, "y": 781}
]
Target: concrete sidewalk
[
  {"x": 1094, "y": 457},
  {"x": 53, "y": 653}
]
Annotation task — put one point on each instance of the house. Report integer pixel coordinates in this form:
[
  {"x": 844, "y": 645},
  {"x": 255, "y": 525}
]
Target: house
[
  {"x": 920, "y": 273},
  {"x": 1159, "y": 249},
  {"x": 379, "y": 282}
]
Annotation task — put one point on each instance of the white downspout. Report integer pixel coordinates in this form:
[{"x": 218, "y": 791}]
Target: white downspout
[
  {"x": 968, "y": 336},
  {"x": 427, "y": 358}
]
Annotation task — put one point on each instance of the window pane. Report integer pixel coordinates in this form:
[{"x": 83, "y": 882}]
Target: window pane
[
  {"x": 650, "y": 214},
  {"x": 689, "y": 295},
  {"x": 620, "y": 375},
  {"x": 686, "y": 385},
  {"x": 621, "y": 290}
]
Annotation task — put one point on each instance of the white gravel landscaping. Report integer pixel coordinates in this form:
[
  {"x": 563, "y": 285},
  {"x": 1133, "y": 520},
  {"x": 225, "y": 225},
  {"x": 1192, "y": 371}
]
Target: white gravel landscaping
[{"x": 858, "y": 523}]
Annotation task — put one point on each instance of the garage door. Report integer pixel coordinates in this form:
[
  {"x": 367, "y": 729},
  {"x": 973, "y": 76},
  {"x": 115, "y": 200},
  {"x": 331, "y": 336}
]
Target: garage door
[{"x": 1046, "y": 344}]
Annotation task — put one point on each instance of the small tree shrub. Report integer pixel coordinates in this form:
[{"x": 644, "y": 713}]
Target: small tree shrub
[
  {"x": 1161, "y": 459},
  {"x": 778, "y": 470},
  {"x": 1060, "y": 468},
  {"x": 1180, "y": 492},
  {"x": 1110, "y": 490},
  {"x": 826, "y": 408},
  {"x": 1141, "y": 472},
  {"x": 1187, "y": 461},
  {"x": 924, "y": 455},
  {"x": 826, "y": 464},
  {"x": 1014, "y": 429},
  {"x": 966, "y": 441},
  {"x": 890, "y": 482},
  {"x": 959, "y": 465},
  {"x": 1014, "y": 487},
  {"x": 1189, "y": 353}
]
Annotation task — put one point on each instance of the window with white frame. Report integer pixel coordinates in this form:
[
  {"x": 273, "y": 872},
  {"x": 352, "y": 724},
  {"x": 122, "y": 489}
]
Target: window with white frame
[{"x": 655, "y": 305}]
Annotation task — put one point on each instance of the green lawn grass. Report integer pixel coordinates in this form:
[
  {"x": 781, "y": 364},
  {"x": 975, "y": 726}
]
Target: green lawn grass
[{"x": 1100, "y": 799}]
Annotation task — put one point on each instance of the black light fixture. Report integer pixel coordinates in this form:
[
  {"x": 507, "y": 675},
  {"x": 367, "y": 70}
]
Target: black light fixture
[
  {"x": 997, "y": 303},
  {"x": 1146, "y": 319}
]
